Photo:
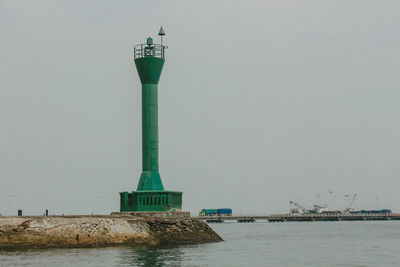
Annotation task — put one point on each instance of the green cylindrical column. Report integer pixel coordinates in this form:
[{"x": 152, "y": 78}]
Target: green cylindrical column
[
  {"x": 150, "y": 127},
  {"x": 149, "y": 68}
]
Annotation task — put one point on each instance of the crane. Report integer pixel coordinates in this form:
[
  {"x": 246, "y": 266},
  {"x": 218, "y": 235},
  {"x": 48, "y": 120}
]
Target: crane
[
  {"x": 347, "y": 209},
  {"x": 305, "y": 210}
]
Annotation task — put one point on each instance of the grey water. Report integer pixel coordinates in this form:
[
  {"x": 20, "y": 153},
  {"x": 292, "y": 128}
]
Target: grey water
[{"x": 371, "y": 243}]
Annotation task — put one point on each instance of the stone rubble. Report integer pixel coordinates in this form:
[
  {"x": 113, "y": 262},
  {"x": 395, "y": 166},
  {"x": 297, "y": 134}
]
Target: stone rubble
[{"x": 97, "y": 231}]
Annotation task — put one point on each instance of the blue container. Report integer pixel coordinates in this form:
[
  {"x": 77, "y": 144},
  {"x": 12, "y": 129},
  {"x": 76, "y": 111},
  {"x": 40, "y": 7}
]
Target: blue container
[{"x": 224, "y": 212}]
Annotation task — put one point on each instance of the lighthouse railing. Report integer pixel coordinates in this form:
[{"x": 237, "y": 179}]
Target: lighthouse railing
[{"x": 145, "y": 50}]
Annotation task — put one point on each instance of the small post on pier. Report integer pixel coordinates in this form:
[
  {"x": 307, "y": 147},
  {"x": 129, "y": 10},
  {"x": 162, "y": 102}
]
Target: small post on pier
[
  {"x": 47, "y": 212},
  {"x": 19, "y": 212}
]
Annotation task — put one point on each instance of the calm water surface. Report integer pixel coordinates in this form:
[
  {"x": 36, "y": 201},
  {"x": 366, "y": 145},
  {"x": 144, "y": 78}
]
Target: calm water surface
[{"x": 251, "y": 244}]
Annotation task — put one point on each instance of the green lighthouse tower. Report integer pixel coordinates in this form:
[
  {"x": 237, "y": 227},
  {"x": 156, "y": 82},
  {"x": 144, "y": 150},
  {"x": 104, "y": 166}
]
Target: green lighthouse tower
[{"x": 150, "y": 194}]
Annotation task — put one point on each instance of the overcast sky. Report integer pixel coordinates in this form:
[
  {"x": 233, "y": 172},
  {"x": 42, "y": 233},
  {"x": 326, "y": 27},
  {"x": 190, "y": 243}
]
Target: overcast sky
[{"x": 260, "y": 103}]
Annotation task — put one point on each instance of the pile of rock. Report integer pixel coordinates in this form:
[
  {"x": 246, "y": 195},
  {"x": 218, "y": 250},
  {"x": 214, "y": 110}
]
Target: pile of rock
[
  {"x": 94, "y": 231},
  {"x": 181, "y": 231}
]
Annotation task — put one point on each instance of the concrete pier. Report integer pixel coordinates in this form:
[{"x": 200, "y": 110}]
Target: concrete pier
[{"x": 303, "y": 217}]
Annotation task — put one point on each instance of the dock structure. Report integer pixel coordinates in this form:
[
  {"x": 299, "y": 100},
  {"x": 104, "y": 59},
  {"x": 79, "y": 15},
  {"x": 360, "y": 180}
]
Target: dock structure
[{"x": 302, "y": 217}]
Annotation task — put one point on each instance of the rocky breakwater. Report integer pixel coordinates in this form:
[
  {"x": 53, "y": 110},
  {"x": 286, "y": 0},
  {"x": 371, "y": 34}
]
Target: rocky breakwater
[
  {"x": 96, "y": 231},
  {"x": 181, "y": 231}
]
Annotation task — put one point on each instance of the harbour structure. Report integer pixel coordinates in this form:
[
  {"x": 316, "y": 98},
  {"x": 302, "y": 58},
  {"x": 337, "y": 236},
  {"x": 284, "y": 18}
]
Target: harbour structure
[
  {"x": 306, "y": 217},
  {"x": 150, "y": 194}
]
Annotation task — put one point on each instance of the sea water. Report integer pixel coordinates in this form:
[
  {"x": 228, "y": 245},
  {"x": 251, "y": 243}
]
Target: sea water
[{"x": 369, "y": 243}]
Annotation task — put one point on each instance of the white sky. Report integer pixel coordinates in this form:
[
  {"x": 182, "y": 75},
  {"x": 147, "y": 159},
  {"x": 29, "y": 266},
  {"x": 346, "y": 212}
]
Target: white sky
[{"x": 261, "y": 102}]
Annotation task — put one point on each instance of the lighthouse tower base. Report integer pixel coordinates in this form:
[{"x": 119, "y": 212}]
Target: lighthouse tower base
[{"x": 150, "y": 200}]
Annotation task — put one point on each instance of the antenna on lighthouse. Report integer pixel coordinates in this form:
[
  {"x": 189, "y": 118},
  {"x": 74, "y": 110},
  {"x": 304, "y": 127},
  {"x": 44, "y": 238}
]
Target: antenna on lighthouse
[{"x": 161, "y": 33}]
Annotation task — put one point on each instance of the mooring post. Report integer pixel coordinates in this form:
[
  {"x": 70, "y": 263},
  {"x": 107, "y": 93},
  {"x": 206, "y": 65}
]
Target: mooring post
[{"x": 19, "y": 212}]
